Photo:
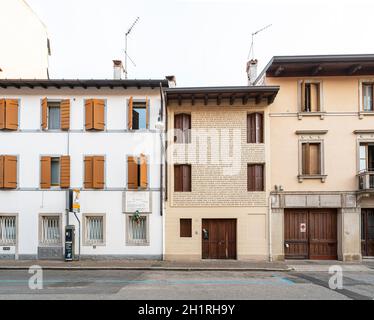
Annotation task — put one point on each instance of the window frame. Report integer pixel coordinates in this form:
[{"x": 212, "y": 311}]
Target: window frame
[
  {"x": 189, "y": 233},
  {"x": 262, "y": 134},
  {"x": 139, "y": 188},
  {"x": 49, "y": 107},
  {"x": 105, "y": 114},
  {"x": 84, "y": 168},
  {"x": 132, "y": 242},
  {"x": 174, "y": 176},
  {"x": 15, "y": 243},
  {"x": 90, "y": 243},
  {"x": 301, "y": 107},
  {"x": 148, "y": 113},
  {"x": 263, "y": 177},
  {"x": 363, "y": 82},
  {"x": 186, "y": 133},
  {"x": 18, "y": 114},
  {"x": 41, "y": 240},
  {"x": 322, "y": 176}
]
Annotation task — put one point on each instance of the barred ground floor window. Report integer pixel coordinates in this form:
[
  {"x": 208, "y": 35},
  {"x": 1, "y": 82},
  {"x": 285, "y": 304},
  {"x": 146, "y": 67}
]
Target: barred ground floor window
[
  {"x": 8, "y": 230},
  {"x": 137, "y": 230},
  {"x": 50, "y": 230},
  {"x": 94, "y": 230}
]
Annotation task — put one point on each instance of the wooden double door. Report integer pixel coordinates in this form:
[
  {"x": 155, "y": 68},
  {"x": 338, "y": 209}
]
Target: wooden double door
[
  {"x": 367, "y": 232},
  {"x": 310, "y": 234},
  {"x": 219, "y": 239}
]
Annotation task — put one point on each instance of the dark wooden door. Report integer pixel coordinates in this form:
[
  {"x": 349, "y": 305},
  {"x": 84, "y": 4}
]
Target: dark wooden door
[
  {"x": 219, "y": 239},
  {"x": 310, "y": 234},
  {"x": 367, "y": 232},
  {"x": 295, "y": 235}
]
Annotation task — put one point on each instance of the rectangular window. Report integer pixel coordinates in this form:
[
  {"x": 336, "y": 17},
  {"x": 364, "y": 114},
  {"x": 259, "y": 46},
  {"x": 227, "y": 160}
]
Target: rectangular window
[
  {"x": 185, "y": 228},
  {"x": 8, "y": 172},
  {"x": 182, "y": 178},
  {"x": 255, "y": 128},
  {"x": 55, "y": 171},
  {"x": 54, "y": 116},
  {"x": 255, "y": 177},
  {"x": 50, "y": 230},
  {"x": 310, "y": 96},
  {"x": 366, "y": 157},
  {"x": 182, "y": 127},
  {"x": 311, "y": 159},
  {"x": 94, "y": 230},
  {"x": 9, "y": 114},
  {"x": 94, "y": 175},
  {"x": 137, "y": 230},
  {"x": 8, "y": 230},
  {"x": 137, "y": 172},
  {"x": 367, "y": 96}
]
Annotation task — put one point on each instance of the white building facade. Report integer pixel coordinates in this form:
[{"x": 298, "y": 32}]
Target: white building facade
[
  {"x": 25, "y": 46},
  {"x": 96, "y": 136}
]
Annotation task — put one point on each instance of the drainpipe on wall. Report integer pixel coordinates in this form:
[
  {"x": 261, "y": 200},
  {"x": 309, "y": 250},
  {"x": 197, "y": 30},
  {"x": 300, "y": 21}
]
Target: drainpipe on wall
[{"x": 270, "y": 230}]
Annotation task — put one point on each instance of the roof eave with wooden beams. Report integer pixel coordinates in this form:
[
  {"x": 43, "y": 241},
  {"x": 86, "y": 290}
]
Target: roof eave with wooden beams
[{"x": 242, "y": 95}]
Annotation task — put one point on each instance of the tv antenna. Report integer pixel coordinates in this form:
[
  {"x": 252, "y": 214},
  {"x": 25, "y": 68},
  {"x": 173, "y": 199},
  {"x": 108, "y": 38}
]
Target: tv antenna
[
  {"x": 251, "y": 53},
  {"x": 126, "y": 54}
]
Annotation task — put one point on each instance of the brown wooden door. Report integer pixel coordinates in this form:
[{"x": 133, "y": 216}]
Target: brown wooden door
[
  {"x": 367, "y": 232},
  {"x": 219, "y": 239},
  {"x": 310, "y": 234}
]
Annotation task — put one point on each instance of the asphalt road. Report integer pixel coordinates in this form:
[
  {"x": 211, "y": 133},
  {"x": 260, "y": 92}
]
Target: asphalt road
[{"x": 182, "y": 285}]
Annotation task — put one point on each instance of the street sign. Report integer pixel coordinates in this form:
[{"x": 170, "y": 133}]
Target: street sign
[
  {"x": 76, "y": 200},
  {"x": 303, "y": 227}
]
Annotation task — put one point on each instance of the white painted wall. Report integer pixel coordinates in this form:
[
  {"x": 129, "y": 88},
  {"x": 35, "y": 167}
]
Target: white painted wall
[
  {"x": 29, "y": 143},
  {"x": 23, "y": 39}
]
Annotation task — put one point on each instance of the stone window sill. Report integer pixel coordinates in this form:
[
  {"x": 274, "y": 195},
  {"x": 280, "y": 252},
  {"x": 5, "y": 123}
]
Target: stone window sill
[
  {"x": 363, "y": 114},
  {"x": 322, "y": 177},
  {"x": 320, "y": 114}
]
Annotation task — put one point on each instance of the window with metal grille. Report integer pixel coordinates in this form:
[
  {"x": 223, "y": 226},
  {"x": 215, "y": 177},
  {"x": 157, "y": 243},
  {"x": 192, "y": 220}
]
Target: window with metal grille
[
  {"x": 137, "y": 230},
  {"x": 50, "y": 230},
  {"x": 94, "y": 230},
  {"x": 8, "y": 230}
]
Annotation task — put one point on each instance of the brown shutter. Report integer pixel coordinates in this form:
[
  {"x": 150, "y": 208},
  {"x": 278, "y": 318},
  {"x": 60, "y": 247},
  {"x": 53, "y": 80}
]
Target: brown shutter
[
  {"x": 251, "y": 128},
  {"x": 178, "y": 187},
  {"x": 186, "y": 178},
  {"x": 259, "y": 177},
  {"x": 259, "y": 128},
  {"x": 45, "y": 172},
  {"x": 147, "y": 113},
  {"x": 11, "y": 114},
  {"x": 129, "y": 114},
  {"x": 2, "y": 113},
  {"x": 10, "y": 172},
  {"x": 186, "y": 128},
  {"x": 88, "y": 106},
  {"x": 44, "y": 113},
  {"x": 98, "y": 172},
  {"x": 178, "y": 128},
  {"x": 88, "y": 172},
  {"x": 132, "y": 173},
  {"x": 65, "y": 171},
  {"x": 143, "y": 172},
  {"x": 65, "y": 114},
  {"x": 314, "y": 151},
  {"x": 302, "y": 96},
  {"x": 185, "y": 227},
  {"x": 1, "y": 171},
  {"x": 250, "y": 177},
  {"x": 99, "y": 114}
]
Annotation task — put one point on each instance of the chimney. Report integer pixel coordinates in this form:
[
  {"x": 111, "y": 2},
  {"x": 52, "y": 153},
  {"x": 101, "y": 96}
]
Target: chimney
[
  {"x": 117, "y": 69},
  {"x": 172, "y": 81},
  {"x": 252, "y": 71}
]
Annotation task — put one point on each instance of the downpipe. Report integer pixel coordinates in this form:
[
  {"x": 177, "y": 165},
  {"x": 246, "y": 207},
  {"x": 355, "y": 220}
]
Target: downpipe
[{"x": 270, "y": 229}]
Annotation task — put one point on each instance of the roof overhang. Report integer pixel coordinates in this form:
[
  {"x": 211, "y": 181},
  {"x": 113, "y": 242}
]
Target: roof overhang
[
  {"x": 319, "y": 65},
  {"x": 241, "y": 94},
  {"x": 64, "y": 83}
]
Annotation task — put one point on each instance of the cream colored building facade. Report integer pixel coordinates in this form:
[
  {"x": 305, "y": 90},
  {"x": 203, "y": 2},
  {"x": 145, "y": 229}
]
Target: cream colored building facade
[
  {"x": 24, "y": 42},
  {"x": 217, "y": 217},
  {"x": 341, "y": 126}
]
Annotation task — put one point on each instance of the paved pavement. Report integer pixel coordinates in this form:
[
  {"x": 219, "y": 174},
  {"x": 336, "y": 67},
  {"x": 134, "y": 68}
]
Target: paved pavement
[{"x": 182, "y": 285}]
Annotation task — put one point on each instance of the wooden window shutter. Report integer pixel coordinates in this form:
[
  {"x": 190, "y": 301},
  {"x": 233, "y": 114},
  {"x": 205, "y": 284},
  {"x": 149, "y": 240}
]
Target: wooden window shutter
[
  {"x": 250, "y": 177},
  {"x": 186, "y": 128},
  {"x": 314, "y": 151},
  {"x": 251, "y": 128},
  {"x": 2, "y": 113},
  {"x": 11, "y": 114},
  {"x": 186, "y": 178},
  {"x": 44, "y": 113},
  {"x": 185, "y": 228},
  {"x": 259, "y": 128},
  {"x": 147, "y": 111},
  {"x": 259, "y": 177},
  {"x": 302, "y": 96},
  {"x": 132, "y": 173},
  {"x": 143, "y": 172},
  {"x": 88, "y": 172},
  {"x": 65, "y": 114},
  {"x": 99, "y": 114},
  {"x": 178, "y": 126},
  {"x": 88, "y": 107},
  {"x": 45, "y": 172},
  {"x": 10, "y": 172},
  {"x": 129, "y": 114},
  {"x": 98, "y": 172},
  {"x": 1, "y": 171},
  {"x": 178, "y": 187},
  {"x": 65, "y": 171}
]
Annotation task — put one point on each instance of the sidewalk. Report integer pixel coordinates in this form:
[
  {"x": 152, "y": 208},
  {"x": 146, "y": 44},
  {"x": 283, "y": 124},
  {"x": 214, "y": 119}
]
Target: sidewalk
[{"x": 203, "y": 265}]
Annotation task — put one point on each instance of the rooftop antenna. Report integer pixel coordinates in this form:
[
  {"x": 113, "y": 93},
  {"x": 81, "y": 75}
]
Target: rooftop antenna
[
  {"x": 251, "y": 53},
  {"x": 126, "y": 55}
]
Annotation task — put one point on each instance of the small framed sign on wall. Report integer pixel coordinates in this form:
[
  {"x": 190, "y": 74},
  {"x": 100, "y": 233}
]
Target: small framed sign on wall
[{"x": 137, "y": 201}]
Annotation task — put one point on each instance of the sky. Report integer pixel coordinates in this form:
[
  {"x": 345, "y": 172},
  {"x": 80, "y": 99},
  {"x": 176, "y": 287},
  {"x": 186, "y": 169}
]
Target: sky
[{"x": 201, "y": 42}]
